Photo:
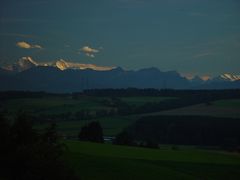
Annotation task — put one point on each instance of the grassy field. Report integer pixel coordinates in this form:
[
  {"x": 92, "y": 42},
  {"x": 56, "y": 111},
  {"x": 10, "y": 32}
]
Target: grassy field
[
  {"x": 228, "y": 103},
  {"x": 138, "y": 101},
  {"x": 111, "y": 125},
  {"x": 54, "y": 105},
  {"x": 105, "y": 161},
  {"x": 225, "y": 108},
  {"x": 58, "y": 105}
]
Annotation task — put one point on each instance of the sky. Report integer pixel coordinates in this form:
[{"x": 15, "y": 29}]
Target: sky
[{"x": 190, "y": 36}]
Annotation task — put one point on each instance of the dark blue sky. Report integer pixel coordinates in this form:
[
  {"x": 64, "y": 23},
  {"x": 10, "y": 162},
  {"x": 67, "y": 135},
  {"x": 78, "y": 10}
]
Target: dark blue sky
[{"x": 190, "y": 36}]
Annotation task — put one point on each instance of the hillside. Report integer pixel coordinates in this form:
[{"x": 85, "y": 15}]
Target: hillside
[{"x": 119, "y": 162}]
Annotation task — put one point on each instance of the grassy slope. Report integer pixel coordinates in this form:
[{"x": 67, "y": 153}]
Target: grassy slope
[
  {"x": 104, "y": 161},
  {"x": 58, "y": 105},
  {"x": 228, "y": 103},
  {"x": 111, "y": 125},
  {"x": 53, "y": 105},
  {"x": 138, "y": 101},
  {"x": 203, "y": 110}
]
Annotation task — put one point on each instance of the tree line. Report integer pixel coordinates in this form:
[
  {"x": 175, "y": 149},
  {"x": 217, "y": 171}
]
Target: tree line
[{"x": 188, "y": 130}]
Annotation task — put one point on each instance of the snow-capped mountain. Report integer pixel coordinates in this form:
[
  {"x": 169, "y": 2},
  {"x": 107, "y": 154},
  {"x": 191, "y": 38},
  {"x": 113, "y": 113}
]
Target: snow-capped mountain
[
  {"x": 22, "y": 64},
  {"x": 64, "y": 76},
  {"x": 227, "y": 77},
  {"x": 230, "y": 77},
  {"x": 25, "y": 63},
  {"x": 197, "y": 79},
  {"x": 63, "y": 65}
]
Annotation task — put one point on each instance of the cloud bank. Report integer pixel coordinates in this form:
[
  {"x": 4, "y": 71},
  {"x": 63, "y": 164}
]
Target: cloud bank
[{"x": 25, "y": 45}]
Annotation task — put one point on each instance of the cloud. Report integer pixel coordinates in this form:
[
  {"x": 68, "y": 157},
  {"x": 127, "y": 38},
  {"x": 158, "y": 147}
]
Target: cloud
[
  {"x": 90, "y": 55},
  {"x": 203, "y": 55},
  {"x": 88, "y": 51},
  {"x": 26, "y": 45}
]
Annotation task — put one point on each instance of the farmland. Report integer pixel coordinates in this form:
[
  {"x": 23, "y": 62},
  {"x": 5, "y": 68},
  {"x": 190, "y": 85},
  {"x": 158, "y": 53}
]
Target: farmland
[
  {"x": 166, "y": 118},
  {"x": 221, "y": 108},
  {"x": 119, "y": 162},
  {"x": 66, "y": 106},
  {"x": 64, "y": 110}
]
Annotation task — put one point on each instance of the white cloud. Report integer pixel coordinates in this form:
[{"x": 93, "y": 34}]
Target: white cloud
[
  {"x": 37, "y": 46},
  {"x": 90, "y": 55},
  {"x": 88, "y": 51},
  {"x": 26, "y": 45},
  {"x": 203, "y": 55}
]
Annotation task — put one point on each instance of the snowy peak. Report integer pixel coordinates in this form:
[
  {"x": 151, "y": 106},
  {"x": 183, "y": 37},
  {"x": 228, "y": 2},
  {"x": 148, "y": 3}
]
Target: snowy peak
[
  {"x": 230, "y": 77},
  {"x": 25, "y": 63},
  {"x": 22, "y": 64},
  {"x": 61, "y": 64},
  {"x": 197, "y": 79}
]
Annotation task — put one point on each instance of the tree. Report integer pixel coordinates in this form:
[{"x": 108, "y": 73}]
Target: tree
[
  {"x": 91, "y": 132},
  {"x": 124, "y": 138},
  {"x": 22, "y": 132},
  {"x": 4, "y": 132},
  {"x": 31, "y": 155},
  {"x": 151, "y": 144}
]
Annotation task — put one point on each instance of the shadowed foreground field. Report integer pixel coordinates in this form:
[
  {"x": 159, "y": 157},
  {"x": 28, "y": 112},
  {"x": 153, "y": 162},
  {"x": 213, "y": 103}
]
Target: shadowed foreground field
[{"x": 105, "y": 161}]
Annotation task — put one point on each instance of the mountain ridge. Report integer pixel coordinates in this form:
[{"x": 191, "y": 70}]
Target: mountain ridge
[
  {"x": 25, "y": 63},
  {"x": 62, "y": 76}
]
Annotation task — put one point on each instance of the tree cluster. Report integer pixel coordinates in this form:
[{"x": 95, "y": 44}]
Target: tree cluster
[
  {"x": 91, "y": 132},
  {"x": 188, "y": 130},
  {"x": 26, "y": 154}
]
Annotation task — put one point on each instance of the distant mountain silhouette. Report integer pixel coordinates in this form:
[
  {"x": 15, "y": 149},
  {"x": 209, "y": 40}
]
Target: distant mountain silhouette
[
  {"x": 25, "y": 63},
  {"x": 65, "y": 79}
]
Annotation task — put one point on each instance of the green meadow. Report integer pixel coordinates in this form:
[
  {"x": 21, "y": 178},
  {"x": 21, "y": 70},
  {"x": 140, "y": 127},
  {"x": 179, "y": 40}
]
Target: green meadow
[
  {"x": 138, "y": 101},
  {"x": 105, "y": 161},
  {"x": 54, "y": 105},
  {"x": 111, "y": 125},
  {"x": 58, "y": 105},
  {"x": 228, "y": 103}
]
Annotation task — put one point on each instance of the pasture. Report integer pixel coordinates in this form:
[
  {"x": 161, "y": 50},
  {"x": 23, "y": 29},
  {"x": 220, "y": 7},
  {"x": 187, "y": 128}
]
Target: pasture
[
  {"x": 222, "y": 108},
  {"x": 105, "y": 161}
]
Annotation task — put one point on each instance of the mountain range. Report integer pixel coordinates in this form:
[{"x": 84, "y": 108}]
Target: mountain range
[{"x": 63, "y": 76}]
